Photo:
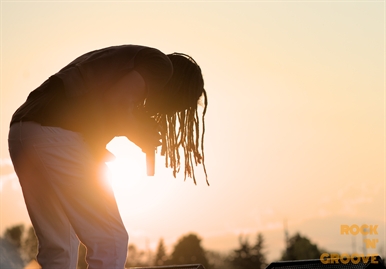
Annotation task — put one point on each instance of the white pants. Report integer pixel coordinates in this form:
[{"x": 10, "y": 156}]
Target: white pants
[{"x": 67, "y": 198}]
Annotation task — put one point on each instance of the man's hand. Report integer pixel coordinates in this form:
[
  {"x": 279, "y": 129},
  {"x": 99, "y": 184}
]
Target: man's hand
[{"x": 144, "y": 131}]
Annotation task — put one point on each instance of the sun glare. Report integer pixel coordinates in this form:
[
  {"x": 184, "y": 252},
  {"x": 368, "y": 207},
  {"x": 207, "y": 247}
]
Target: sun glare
[
  {"x": 128, "y": 167},
  {"x": 135, "y": 192}
]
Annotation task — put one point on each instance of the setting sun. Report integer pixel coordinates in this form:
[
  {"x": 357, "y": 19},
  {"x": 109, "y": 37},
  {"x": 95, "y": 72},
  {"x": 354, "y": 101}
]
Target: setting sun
[
  {"x": 129, "y": 165},
  {"x": 134, "y": 190}
]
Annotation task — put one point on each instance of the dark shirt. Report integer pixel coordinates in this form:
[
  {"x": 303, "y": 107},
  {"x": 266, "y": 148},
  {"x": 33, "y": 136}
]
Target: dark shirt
[{"x": 73, "y": 97}]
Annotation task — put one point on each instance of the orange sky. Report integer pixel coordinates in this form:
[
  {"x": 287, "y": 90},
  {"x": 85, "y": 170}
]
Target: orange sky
[{"x": 295, "y": 123}]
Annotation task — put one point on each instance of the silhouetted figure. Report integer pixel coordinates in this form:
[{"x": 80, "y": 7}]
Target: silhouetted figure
[{"x": 58, "y": 138}]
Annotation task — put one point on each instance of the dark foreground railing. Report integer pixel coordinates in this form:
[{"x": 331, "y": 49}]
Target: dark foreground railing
[{"x": 181, "y": 266}]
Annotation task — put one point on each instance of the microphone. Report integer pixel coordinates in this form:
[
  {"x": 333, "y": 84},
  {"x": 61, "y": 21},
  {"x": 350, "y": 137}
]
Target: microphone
[{"x": 150, "y": 162}]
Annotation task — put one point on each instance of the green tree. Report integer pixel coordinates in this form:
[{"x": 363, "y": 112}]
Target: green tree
[
  {"x": 249, "y": 256},
  {"x": 188, "y": 250},
  {"x": 160, "y": 256},
  {"x": 300, "y": 248}
]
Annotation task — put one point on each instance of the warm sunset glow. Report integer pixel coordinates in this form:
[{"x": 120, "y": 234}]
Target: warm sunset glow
[
  {"x": 295, "y": 126},
  {"x": 128, "y": 167},
  {"x": 136, "y": 193}
]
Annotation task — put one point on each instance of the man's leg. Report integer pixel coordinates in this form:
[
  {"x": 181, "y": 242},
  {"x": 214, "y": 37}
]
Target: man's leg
[
  {"x": 58, "y": 244},
  {"x": 84, "y": 196}
]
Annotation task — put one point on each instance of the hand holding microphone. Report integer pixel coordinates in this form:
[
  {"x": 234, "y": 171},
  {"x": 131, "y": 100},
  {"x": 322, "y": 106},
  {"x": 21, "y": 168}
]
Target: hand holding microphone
[
  {"x": 150, "y": 163},
  {"x": 146, "y": 135},
  {"x": 150, "y": 157}
]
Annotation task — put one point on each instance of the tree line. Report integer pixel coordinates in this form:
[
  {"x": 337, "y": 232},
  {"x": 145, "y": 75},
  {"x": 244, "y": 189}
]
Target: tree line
[{"x": 187, "y": 250}]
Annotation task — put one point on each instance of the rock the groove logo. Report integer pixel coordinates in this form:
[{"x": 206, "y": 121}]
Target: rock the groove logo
[{"x": 355, "y": 258}]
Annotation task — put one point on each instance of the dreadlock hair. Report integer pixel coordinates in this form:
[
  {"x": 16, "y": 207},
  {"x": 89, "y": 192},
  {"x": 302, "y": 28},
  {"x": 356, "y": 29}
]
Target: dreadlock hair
[{"x": 178, "y": 117}]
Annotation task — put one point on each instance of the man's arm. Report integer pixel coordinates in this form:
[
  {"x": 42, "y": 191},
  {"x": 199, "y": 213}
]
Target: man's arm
[
  {"x": 122, "y": 99},
  {"x": 124, "y": 118}
]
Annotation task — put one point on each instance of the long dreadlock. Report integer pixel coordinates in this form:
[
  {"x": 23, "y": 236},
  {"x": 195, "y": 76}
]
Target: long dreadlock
[{"x": 179, "y": 119}]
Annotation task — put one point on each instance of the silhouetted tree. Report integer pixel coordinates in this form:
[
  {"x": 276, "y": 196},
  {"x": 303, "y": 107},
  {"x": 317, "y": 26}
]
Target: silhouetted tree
[
  {"x": 188, "y": 250},
  {"x": 14, "y": 235},
  {"x": 259, "y": 255},
  {"x": 160, "y": 256},
  {"x": 300, "y": 248},
  {"x": 242, "y": 256},
  {"x": 26, "y": 244},
  {"x": 249, "y": 256},
  {"x": 218, "y": 260},
  {"x": 18, "y": 247},
  {"x": 30, "y": 245}
]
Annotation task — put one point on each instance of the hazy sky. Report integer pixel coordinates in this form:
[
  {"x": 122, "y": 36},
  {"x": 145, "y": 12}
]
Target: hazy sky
[{"x": 295, "y": 122}]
